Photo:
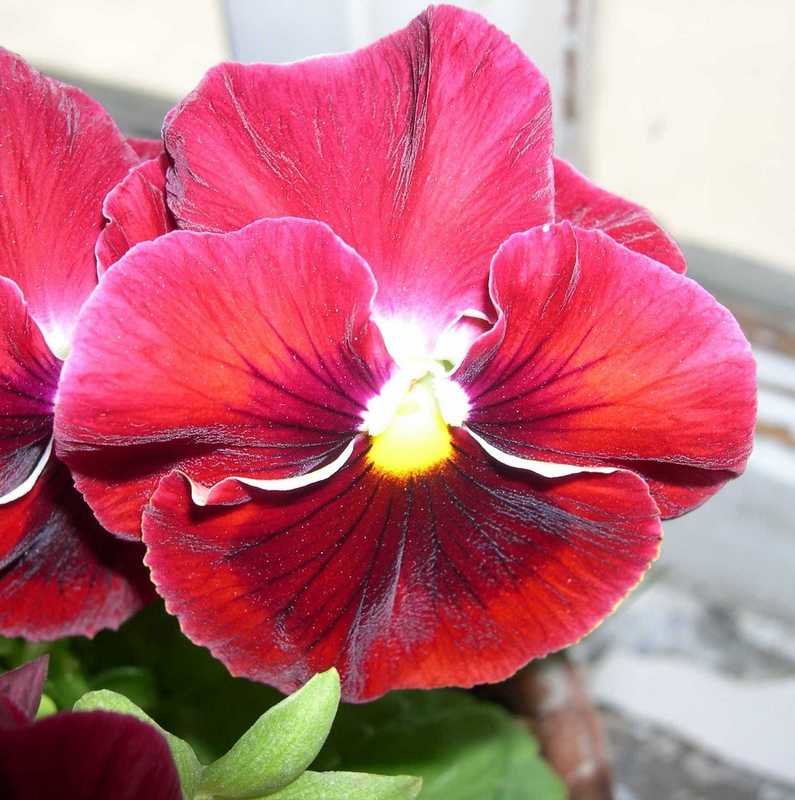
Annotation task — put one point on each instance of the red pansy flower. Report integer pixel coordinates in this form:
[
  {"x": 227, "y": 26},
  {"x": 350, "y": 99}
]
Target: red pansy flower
[
  {"x": 89, "y": 755},
  {"x": 60, "y": 153},
  {"x": 423, "y": 421}
]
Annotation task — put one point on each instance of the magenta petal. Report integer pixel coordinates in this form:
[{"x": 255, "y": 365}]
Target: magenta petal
[
  {"x": 456, "y": 577},
  {"x": 93, "y": 755},
  {"x": 28, "y": 381},
  {"x": 423, "y": 151},
  {"x": 602, "y": 356},
  {"x": 585, "y": 205},
  {"x": 23, "y": 686},
  {"x": 60, "y": 153},
  {"x": 136, "y": 212},
  {"x": 145, "y": 148},
  {"x": 248, "y": 354},
  {"x": 66, "y": 576}
]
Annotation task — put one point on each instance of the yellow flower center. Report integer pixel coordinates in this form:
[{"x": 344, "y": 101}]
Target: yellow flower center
[{"x": 416, "y": 439}]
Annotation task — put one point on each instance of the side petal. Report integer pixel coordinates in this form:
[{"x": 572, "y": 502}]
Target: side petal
[
  {"x": 60, "y": 153},
  {"x": 602, "y": 356},
  {"x": 245, "y": 354},
  {"x": 423, "y": 151},
  {"x": 136, "y": 212},
  {"x": 585, "y": 205},
  {"x": 28, "y": 382},
  {"x": 145, "y": 148},
  {"x": 66, "y": 576},
  {"x": 87, "y": 755},
  {"x": 456, "y": 577}
]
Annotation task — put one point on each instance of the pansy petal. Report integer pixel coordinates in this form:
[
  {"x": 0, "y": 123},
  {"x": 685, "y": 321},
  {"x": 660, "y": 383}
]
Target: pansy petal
[
  {"x": 24, "y": 685},
  {"x": 136, "y": 212},
  {"x": 28, "y": 381},
  {"x": 245, "y": 354},
  {"x": 602, "y": 356},
  {"x": 423, "y": 151},
  {"x": 87, "y": 755},
  {"x": 585, "y": 205},
  {"x": 145, "y": 148},
  {"x": 457, "y": 576},
  {"x": 60, "y": 153},
  {"x": 66, "y": 576}
]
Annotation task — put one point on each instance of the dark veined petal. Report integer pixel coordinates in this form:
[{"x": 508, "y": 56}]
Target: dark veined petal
[
  {"x": 28, "y": 381},
  {"x": 585, "y": 205},
  {"x": 145, "y": 148},
  {"x": 60, "y": 153},
  {"x": 250, "y": 353},
  {"x": 22, "y": 688},
  {"x": 602, "y": 356},
  {"x": 423, "y": 151},
  {"x": 93, "y": 755},
  {"x": 65, "y": 576},
  {"x": 457, "y": 576},
  {"x": 136, "y": 211}
]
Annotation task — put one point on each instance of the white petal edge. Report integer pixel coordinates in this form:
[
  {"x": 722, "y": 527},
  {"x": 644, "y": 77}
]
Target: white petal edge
[
  {"x": 547, "y": 469},
  {"x": 200, "y": 494},
  {"x": 30, "y": 481}
]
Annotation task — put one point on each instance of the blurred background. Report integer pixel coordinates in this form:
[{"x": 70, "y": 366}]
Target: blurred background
[{"x": 687, "y": 107}]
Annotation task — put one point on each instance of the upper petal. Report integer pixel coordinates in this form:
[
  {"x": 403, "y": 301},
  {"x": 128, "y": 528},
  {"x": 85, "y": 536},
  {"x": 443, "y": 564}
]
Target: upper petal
[
  {"x": 28, "y": 381},
  {"x": 60, "y": 153},
  {"x": 136, "y": 212},
  {"x": 603, "y": 356},
  {"x": 145, "y": 148},
  {"x": 250, "y": 354},
  {"x": 83, "y": 755},
  {"x": 63, "y": 574},
  {"x": 457, "y": 576},
  {"x": 585, "y": 205},
  {"x": 423, "y": 151}
]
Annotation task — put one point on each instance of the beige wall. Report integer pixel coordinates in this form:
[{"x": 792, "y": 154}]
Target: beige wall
[
  {"x": 162, "y": 47},
  {"x": 691, "y": 110}
]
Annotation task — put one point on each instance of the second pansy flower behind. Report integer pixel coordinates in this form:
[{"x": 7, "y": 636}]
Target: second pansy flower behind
[{"x": 412, "y": 425}]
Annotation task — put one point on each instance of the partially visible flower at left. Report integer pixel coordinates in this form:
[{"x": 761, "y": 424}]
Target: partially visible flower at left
[
  {"x": 77, "y": 755},
  {"x": 60, "y": 153}
]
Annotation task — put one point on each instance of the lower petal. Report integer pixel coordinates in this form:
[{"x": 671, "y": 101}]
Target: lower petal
[
  {"x": 63, "y": 574},
  {"x": 455, "y": 577}
]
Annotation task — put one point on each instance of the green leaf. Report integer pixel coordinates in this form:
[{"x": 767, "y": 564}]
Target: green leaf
[
  {"x": 187, "y": 764},
  {"x": 46, "y": 708},
  {"x": 349, "y": 786},
  {"x": 279, "y": 746},
  {"x": 461, "y": 747}
]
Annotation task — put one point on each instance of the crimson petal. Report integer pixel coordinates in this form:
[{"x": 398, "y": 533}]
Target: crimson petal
[
  {"x": 136, "y": 212},
  {"x": 66, "y": 576},
  {"x": 92, "y": 755},
  {"x": 249, "y": 353},
  {"x": 456, "y": 577},
  {"x": 602, "y": 356},
  {"x": 60, "y": 153},
  {"x": 585, "y": 205},
  {"x": 145, "y": 148},
  {"x": 423, "y": 151},
  {"x": 28, "y": 381}
]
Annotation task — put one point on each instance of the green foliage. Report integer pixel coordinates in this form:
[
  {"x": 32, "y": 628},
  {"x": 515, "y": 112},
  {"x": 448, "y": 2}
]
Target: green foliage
[
  {"x": 270, "y": 758},
  {"x": 462, "y": 748}
]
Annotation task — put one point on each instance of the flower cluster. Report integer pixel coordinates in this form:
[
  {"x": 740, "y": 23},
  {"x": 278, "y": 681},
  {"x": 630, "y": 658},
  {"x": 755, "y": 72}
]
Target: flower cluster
[{"x": 376, "y": 380}]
